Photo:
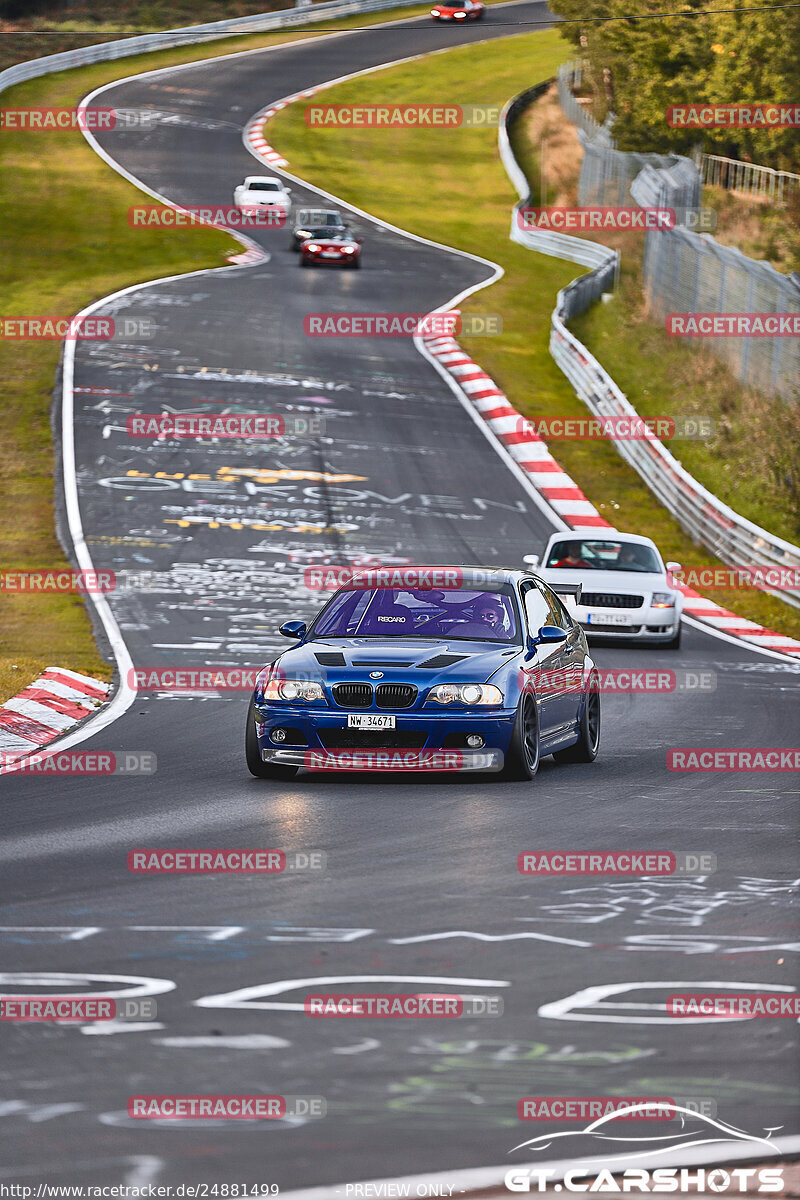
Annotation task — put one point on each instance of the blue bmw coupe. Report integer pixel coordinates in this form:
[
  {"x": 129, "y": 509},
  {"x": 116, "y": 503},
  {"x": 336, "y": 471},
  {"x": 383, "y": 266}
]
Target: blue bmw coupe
[{"x": 487, "y": 673}]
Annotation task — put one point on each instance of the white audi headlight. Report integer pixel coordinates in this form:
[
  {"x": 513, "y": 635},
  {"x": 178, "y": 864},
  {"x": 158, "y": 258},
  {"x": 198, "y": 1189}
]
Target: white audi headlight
[
  {"x": 663, "y": 600},
  {"x": 293, "y": 689},
  {"x": 466, "y": 693}
]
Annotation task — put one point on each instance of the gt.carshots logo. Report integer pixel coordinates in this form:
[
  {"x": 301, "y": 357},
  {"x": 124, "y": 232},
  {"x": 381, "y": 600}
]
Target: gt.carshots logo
[
  {"x": 616, "y": 862},
  {"x": 594, "y": 1150}
]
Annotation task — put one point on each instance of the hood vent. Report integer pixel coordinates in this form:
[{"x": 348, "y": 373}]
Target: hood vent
[
  {"x": 443, "y": 660},
  {"x": 334, "y": 659}
]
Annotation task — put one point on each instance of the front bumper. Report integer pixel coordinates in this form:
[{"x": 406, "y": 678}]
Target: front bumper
[
  {"x": 646, "y": 624},
  {"x": 323, "y": 732}
]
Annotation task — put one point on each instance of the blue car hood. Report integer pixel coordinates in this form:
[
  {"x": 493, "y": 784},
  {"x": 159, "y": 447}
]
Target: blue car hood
[{"x": 401, "y": 660}]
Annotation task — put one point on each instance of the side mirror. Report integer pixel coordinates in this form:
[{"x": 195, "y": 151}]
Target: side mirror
[
  {"x": 547, "y": 635},
  {"x": 673, "y": 569},
  {"x": 359, "y": 240},
  {"x": 288, "y": 191},
  {"x": 673, "y": 566},
  {"x": 293, "y": 629},
  {"x": 531, "y": 560}
]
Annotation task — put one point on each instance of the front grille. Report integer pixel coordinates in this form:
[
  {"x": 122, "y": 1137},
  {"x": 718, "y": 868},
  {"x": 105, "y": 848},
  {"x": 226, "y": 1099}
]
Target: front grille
[
  {"x": 353, "y": 695},
  {"x": 365, "y": 739},
  {"x": 610, "y": 600},
  {"x": 395, "y": 695}
]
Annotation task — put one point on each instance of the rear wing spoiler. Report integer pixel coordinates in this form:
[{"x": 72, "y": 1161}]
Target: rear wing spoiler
[{"x": 567, "y": 589}]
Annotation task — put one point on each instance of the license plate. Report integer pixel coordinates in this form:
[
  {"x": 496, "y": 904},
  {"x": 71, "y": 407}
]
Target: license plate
[
  {"x": 370, "y": 721},
  {"x": 330, "y": 253},
  {"x": 607, "y": 619}
]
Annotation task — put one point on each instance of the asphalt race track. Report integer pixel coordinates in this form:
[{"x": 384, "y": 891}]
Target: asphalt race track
[{"x": 421, "y": 878}]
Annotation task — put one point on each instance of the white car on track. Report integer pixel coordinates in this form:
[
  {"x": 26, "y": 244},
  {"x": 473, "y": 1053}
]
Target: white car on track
[
  {"x": 626, "y": 589},
  {"x": 263, "y": 192}
]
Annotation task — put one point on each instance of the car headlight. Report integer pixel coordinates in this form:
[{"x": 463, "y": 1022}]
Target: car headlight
[
  {"x": 459, "y": 16},
  {"x": 663, "y": 600},
  {"x": 348, "y": 250},
  {"x": 293, "y": 689},
  {"x": 312, "y": 246},
  {"x": 302, "y": 233},
  {"x": 466, "y": 693}
]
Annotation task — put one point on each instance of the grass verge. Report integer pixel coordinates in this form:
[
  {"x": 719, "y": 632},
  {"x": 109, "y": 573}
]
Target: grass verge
[
  {"x": 71, "y": 245},
  {"x": 468, "y": 203}
]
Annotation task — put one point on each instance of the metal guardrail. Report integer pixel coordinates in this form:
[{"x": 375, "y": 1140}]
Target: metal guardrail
[
  {"x": 751, "y": 178},
  {"x": 735, "y": 540},
  {"x": 192, "y": 34}
]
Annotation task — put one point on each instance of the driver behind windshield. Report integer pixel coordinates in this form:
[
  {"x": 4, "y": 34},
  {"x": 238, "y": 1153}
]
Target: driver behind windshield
[{"x": 572, "y": 558}]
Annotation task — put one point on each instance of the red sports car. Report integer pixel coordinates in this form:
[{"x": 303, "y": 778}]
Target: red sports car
[
  {"x": 458, "y": 10},
  {"x": 331, "y": 245}
]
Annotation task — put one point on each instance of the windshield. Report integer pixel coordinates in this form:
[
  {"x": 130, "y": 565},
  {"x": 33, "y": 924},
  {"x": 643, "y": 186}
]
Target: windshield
[
  {"x": 420, "y": 613},
  {"x": 580, "y": 554},
  {"x": 265, "y": 187},
  {"x": 335, "y": 235}
]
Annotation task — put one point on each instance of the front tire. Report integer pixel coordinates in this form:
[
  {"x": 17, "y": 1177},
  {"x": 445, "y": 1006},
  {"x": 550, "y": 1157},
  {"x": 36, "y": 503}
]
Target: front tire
[
  {"x": 588, "y": 744},
  {"x": 522, "y": 759},
  {"x": 252, "y": 751}
]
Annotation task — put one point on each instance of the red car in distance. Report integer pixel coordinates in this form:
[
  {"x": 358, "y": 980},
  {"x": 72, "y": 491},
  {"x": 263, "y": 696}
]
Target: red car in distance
[
  {"x": 331, "y": 245},
  {"x": 458, "y": 10}
]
